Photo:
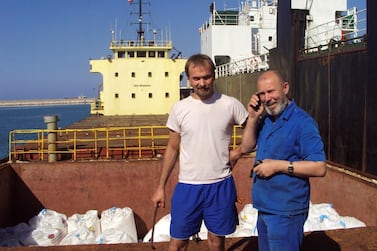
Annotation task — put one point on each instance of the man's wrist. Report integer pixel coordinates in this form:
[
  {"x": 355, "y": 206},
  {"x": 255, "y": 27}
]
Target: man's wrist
[{"x": 291, "y": 169}]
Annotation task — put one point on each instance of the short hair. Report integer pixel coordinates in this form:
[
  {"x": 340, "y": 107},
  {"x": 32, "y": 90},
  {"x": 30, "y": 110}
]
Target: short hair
[{"x": 199, "y": 59}]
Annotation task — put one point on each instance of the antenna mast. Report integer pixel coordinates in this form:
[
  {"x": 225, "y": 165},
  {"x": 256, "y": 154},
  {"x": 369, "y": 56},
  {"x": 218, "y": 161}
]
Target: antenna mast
[{"x": 140, "y": 32}]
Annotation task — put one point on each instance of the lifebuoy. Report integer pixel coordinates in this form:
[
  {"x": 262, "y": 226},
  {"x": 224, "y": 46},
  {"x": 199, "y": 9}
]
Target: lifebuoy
[{"x": 254, "y": 62}]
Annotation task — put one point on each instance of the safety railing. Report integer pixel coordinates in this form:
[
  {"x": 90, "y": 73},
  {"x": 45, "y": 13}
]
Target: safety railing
[
  {"x": 348, "y": 28},
  {"x": 93, "y": 143},
  {"x": 246, "y": 65},
  {"x": 143, "y": 43}
]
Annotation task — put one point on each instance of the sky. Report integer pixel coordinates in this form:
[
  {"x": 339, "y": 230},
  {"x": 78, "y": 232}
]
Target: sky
[{"x": 46, "y": 45}]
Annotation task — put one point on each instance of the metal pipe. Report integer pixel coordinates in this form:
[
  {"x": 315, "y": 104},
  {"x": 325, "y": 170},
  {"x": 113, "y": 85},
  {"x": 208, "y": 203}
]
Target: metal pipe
[{"x": 52, "y": 125}]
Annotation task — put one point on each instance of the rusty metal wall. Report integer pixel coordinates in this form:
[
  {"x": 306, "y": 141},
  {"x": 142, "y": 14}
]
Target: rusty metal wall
[
  {"x": 240, "y": 86},
  {"x": 332, "y": 88},
  {"x": 75, "y": 187},
  {"x": 371, "y": 100}
]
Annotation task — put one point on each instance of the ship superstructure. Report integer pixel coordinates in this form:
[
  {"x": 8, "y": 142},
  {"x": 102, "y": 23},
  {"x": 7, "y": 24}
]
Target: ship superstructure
[
  {"x": 140, "y": 77},
  {"x": 239, "y": 40},
  {"x": 328, "y": 22},
  {"x": 248, "y": 32}
]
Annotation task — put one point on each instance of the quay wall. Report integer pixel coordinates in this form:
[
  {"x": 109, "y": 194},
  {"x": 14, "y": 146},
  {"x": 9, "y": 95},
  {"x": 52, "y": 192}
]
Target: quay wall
[{"x": 40, "y": 102}]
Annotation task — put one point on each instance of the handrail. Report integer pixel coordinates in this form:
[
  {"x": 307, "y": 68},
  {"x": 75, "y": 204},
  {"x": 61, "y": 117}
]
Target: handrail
[
  {"x": 95, "y": 143},
  {"x": 246, "y": 65},
  {"x": 346, "y": 28}
]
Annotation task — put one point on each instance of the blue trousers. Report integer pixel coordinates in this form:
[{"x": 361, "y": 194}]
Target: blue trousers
[{"x": 280, "y": 232}]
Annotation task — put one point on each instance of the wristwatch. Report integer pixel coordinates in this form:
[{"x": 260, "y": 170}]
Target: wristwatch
[{"x": 291, "y": 170}]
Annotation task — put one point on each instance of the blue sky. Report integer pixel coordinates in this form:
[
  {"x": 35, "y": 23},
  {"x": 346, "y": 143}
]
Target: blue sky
[{"x": 46, "y": 45}]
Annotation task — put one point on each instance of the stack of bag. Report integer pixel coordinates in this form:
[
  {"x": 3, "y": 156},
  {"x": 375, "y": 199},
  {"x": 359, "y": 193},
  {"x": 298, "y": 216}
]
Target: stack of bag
[
  {"x": 117, "y": 225},
  {"x": 49, "y": 228},
  {"x": 321, "y": 217}
]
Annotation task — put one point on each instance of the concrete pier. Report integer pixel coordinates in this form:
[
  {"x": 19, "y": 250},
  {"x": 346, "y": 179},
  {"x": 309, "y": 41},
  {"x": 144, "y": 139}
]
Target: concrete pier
[{"x": 39, "y": 102}]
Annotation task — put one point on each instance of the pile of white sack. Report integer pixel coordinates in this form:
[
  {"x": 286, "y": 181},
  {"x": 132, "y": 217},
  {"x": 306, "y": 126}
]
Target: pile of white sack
[
  {"x": 117, "y": 225},
  {"x": 321, "y": 217},
  {"x": 50, "y": 228}
]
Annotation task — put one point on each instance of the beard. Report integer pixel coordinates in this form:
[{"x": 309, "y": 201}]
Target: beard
[
  {"x": 204, "y": 93},
  {"x": 281, "y": 104}
]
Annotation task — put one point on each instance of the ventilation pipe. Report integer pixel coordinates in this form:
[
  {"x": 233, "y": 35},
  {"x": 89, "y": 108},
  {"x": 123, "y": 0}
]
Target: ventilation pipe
[{"x": 52, "y": 124}]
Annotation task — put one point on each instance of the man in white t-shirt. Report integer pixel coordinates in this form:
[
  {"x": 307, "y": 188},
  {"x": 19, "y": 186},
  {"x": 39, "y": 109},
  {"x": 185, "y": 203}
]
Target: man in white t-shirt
[{"x": 201, "y": 127}]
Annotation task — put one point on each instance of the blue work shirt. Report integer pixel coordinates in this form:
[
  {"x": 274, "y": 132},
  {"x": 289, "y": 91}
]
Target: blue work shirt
[{"x": 294, "y": 136}]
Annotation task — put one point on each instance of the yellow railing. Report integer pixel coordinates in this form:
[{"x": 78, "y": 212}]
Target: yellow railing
[{"x": 93, "y": 143}]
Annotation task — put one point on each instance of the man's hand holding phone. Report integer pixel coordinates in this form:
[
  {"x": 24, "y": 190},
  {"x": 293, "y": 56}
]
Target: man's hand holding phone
[
  {"x": 255, "y": 106},
  {"x": 259, "y": 103}
]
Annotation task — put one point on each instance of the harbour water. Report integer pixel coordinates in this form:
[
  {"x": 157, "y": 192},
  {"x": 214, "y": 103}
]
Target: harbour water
[{"x": 32, "y": 117}]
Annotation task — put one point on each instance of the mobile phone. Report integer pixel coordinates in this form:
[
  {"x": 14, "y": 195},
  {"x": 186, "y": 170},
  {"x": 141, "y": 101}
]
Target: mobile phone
[
  {"x": 256, "y": 108},
  {"x": 255, "y": 164}
]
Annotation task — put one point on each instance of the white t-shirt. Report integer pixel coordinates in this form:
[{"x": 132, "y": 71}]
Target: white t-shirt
[{"x": 205, "y": 128}]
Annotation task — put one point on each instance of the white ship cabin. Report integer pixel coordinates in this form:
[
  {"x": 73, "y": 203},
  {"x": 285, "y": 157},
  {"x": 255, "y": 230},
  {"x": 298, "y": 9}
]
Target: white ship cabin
[{"x": 248, "y": 32}]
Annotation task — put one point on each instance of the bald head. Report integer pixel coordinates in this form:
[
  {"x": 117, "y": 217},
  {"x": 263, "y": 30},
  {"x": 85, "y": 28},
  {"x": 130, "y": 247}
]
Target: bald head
[{"x": 272, "y": 75}]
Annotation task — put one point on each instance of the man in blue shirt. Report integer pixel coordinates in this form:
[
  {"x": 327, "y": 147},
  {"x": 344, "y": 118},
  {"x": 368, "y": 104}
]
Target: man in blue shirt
[{"x": 289, "y": 151}]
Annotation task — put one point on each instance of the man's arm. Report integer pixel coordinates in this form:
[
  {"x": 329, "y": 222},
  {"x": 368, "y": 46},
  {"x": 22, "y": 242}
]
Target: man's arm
[
  {"x": 249, "y": 136},
  {"x": 168, "y": 163},
  {"x": 302, "y": 168}
]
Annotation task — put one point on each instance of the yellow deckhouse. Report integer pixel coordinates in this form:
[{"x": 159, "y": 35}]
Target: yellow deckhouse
[{"x": 139, "y": 78}]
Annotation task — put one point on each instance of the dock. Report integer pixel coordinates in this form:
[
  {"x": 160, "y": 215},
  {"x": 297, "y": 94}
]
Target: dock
[{"x": 41, "y": 102}]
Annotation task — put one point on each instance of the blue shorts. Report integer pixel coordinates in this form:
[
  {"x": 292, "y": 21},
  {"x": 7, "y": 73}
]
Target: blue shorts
[{"x": 213, "y": 203}]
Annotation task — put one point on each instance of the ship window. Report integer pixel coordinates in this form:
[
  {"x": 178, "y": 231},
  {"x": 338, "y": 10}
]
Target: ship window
[
  {"x": 116, "y": 95},
  {"x": 166, "y": 95},
  {"x": 133, "y": 74},
  {"x": 150, "y": 74},
  {"x": 166, "y": 74},
  {"x": 150, "y": 95},
  {"x": 251, "y": 18},
  {"x": 116, "y": 74},
  {"x": 269, "y": 38},
  {"x": 133, "y": 95},
  {"x": 121, "y": 54},
  {"x": 141, "y": 54},
  {"x": 152, "y": 54},
  {"x": 131, "y": 54},
  {"x": 161, "y": 54}
]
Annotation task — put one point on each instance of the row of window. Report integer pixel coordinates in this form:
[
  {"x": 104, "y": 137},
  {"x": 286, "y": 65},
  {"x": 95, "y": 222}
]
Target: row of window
[
  {"x": 150, "y": 95},
  {"x": 133, "y": 74},
  {"x": 141, "y": 54}
]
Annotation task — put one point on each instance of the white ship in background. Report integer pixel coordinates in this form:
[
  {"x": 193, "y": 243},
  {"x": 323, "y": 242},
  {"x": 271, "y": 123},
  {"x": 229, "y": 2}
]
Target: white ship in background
[
  {"x": 239, "y": 40},
  {"x": 230, "y": 36}
]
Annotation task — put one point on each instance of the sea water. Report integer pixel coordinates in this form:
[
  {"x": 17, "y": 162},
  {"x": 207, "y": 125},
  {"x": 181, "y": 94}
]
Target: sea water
[{"x": 32, "y": 117}]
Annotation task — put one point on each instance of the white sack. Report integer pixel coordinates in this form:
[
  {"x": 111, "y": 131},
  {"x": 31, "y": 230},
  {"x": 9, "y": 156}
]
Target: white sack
[
  {"x": 48, "y": 229},
  {"x": 161, "y": 230},
  {"x": 120, "y": 223},
  {"x": 83, "y": 229}
]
